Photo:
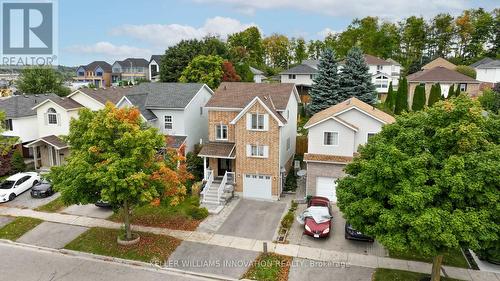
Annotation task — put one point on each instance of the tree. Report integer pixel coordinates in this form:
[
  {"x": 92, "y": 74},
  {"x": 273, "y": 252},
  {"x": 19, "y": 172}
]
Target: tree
[
  {"x": 435, "y": 94},
  {"x": 355, "y": 81},
  {"x": 413, "y": 42},
  {"x": 314, "y": 49},
  {"x": 325, "y": 90},
  {"x": 246, "y": 46},
  {"x": 300, "y": 52},
  {"x": 458, "y": 91},
  {"x": 418, "y": 98},
  {"x": 204, "y": 69},
  {"x": 442, "y": 30},
  {"x": 429, "y": 182},
  {"x": 276, "y": 49},
  {"x": 390, "y": 100},
  {"x": 6, "y": 143},
  {"x": 41, "y": 80},
  {"x": 244, "y": 72},
  {"x": 451, "y": 91},
  {"x": 401, "y": 97},
  {"x": 114, "y": 158},
  {"x": 17, "y": 162},
  {"x": 490, "y": 100},
  {"x": 230, "y": 74},
  {"x": 195, "y": 163},
  {"x": 466, "y": 70}
]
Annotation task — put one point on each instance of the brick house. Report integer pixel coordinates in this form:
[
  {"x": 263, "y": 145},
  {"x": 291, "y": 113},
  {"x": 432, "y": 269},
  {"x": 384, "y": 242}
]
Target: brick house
[
  {"x": 252, "y": 129},
  {"x": 333, "y": 140}
]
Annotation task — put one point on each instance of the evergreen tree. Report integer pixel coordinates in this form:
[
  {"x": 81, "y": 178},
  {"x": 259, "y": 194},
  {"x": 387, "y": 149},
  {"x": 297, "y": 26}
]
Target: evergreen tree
[
  {"x": 418, "y": 98},
  {"x": 401, "y": 103},
  {"x": 435, "y": 94},
  {"x": 451, "y": 92},
  {"x": 325, "y": 90},
  {"x": 355, "y": 81},
  {"x": 457, "y": 91},
  {"x": 390, "y": 99}
]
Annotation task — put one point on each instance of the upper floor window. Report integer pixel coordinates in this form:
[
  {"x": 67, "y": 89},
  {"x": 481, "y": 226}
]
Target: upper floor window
[
  {"x": 330, "y": 138},
  {"x": 8, "y": 125},
  {"x": 258, "y": 121},
  {"x": 221, "y": 132},
  {"x": 291, "y": 76},
  {"x": 99, "y": 73},
  {"x": 52, "y": 116},
  {"x": 257, "y": 151},
  {"x": 288, "y": 144},
  {"x": 168, "y": 122},
  {"x": 81, "y": 73},
  {"x": 379, "y": 68}
]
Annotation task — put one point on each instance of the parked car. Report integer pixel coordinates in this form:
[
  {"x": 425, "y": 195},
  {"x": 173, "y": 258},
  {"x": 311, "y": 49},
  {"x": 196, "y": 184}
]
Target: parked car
[
  {"x": 353, "y": 234},
  {"x": 16, "y": 184},
  {"x": 317, "y": 218},
  {"x": 42, "y": 189},
  {"x": 103, "y": 204}
]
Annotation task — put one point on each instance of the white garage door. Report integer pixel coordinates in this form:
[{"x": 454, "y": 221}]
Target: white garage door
[
  {"x": 326, "y": 187},
  {"x": 257, "y": 186}
]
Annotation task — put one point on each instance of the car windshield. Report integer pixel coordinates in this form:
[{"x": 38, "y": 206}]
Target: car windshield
[
  {"x": 7, "y": 184},
  {"x": 45, "y": 181}
]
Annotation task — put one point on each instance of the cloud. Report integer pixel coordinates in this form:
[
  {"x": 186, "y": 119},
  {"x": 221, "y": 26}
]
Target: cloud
[
  {"x": 327, "y": 31},
  {"x": 389, "y": 9},
  {"x": 109, "y": 50},
  {"x": 162, "y": 35}
]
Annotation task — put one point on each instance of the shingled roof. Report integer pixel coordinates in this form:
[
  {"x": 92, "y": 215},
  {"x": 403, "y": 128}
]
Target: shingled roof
[
  {"x": 306, "y": 67},
  {"x": 22, "y": 105},
  {"x": 134, "y": 62},
  {"x": 167, "y": 95},
  {"x": 93, "y": 65},
  {"x": 440, "y": 74},
  {"x": 113, "y": 94}
]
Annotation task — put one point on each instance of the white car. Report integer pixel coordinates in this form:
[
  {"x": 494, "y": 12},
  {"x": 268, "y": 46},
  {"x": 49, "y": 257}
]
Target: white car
[{"x": 17, "y": 184}]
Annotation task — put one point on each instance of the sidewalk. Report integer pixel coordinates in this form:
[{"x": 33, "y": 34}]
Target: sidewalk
[{"x": 292, "y": 250}]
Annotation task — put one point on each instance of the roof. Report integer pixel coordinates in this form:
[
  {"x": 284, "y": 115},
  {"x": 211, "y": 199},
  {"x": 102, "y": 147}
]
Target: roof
[
  {"x": 346, "y": 105},
  {"x": 481, "y": 62},
  {"x": 156, "y": 58},
  {"x": 239, "y": 94},
  {"x": 326, "y": 158},
  {"x": 306, "y": 67},
  {"x": 52, "y": 140},
  {"x": 93, "y": 65},
  {"x": 373, "y": 60},
  {"x": 63, "y": 102},
  {"x": 439, "y": 62},
  {"x": 139, "y": 101},
  {"x": 393, "y": 61},
  {"x": 218, "y": 150},
  {"x": 175, "y": 141},
  {"x": 255, "y": 71},
  {"x": 22, "y": 106},
  {"x": 136, "y": 62},
  {"x": 491, "y": 64},
  {"x": 167, "y": 95},
  {"x": 113, "y": 94},
  {"x": 440, "y": 74}
]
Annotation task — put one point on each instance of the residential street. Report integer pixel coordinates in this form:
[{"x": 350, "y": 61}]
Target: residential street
[{"x": 44, "y": 265}]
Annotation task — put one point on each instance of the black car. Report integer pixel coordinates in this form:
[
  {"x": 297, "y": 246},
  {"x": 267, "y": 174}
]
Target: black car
[
  {"x": 103, "y": 204},
  {"x": 42, "y": 189},
  {"x": 353, "y": 234}
]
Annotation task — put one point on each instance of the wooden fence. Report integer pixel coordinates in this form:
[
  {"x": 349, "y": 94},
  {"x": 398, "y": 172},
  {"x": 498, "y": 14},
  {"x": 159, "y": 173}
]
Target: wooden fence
[{"x": 301, "y": 145}]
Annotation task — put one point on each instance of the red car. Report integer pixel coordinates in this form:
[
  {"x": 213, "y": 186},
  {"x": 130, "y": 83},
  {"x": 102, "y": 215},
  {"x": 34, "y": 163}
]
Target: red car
[{"x": 318, "y": 217}]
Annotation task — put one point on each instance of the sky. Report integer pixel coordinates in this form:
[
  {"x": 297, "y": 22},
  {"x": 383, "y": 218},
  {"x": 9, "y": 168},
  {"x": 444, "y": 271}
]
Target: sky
[{"x": 116, "y": 29}]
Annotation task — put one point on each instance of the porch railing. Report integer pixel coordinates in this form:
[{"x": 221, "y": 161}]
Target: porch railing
[
  {"x": 210, "y": 175},
  {"x": 230, "y": 177},
  {"x": 227, "y": 179}
]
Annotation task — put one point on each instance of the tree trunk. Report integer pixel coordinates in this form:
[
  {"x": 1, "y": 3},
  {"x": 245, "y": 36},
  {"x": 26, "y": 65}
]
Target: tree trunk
[
  {"x": 436, "y": 268},
  {"x": 126, "y": 220}
]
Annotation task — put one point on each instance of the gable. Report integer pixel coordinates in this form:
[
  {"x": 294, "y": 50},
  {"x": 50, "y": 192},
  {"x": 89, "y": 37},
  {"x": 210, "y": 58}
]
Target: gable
[{"x": 257, "y": 105}]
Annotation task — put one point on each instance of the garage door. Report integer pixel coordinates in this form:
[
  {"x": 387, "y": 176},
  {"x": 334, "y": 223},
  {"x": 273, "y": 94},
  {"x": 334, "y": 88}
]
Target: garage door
[
  {"x": 326, "y": 187},
  {"x": 257, "y": 186}
]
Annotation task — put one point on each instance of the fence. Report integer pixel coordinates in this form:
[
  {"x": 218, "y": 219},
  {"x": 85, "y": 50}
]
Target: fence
[{"x": 301, "y": 145}]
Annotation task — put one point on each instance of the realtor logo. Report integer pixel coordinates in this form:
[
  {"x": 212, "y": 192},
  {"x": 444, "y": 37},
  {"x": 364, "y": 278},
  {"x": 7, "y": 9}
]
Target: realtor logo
[{"x": 28, "y": 33}]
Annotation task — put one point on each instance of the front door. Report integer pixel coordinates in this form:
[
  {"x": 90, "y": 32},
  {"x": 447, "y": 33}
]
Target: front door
[{"x": 224, "y": 165}]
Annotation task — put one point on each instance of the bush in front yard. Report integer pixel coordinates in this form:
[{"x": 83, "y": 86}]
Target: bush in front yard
[
  {"x": 287, "y": 220},
  {"x": 197, "y": 213},
  {"x": 291, "y": 181},
  {"x": 17, "y": 162}
]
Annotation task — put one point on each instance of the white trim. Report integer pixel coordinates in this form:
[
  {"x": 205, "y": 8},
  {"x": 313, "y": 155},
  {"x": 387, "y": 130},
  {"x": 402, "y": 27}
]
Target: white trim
[
  {"x": 367, "y": 133},
  {"x": 75, "y": 92},
  {"x": 199, "y": 91},
  {"x": 223, "y": 108},
  {"x": 49, "y": 100},
  {"x": 362, "y": 111},
  {"x": 41, "y": 139},
  {"x": 335, "y": 119},
  {"x": 215, "y": 156},
  {"x": 249, "y": 105},
  {"x": 338, "y": 138},
  {"x": 227, "y": 132}
]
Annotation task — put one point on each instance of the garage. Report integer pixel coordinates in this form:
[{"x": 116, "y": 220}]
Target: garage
[
  {"x": 326, "y": 187},
  {"x": 257, "y": 186}
]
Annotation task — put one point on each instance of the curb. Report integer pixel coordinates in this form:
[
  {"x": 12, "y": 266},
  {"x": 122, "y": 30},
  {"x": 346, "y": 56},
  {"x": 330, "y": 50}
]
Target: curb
[{"x": 131, "y": 263}]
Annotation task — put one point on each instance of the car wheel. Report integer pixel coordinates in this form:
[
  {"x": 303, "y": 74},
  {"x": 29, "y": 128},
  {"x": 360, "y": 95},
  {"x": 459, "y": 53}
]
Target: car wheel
[
  {"x": 35, "y": 183},
  {"x": 12, "y": 197}
]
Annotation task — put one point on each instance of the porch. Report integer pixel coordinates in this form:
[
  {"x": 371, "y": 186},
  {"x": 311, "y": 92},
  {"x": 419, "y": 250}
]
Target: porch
[{"x": 48, "y": 152}]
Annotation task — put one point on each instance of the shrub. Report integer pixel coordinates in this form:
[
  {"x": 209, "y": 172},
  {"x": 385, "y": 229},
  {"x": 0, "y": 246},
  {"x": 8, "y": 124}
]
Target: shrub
[
  {"x": 195, "y": 163},
  {"x": 490, "y": 100},
  {"x": 291, "y": 181},
  {"x": 287, "y": 220},
  {"x": 197, "y": 213},
  {"x": 466, "y": 70},
  {"x": 17, "y": 162}
]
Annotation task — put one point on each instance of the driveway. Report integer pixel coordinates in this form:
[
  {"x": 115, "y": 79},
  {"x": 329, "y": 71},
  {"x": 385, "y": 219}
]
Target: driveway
[
  {"x": 336, "y": 240},
  {"x": 89, "y": 210},
  {"x": 52, "y": 235},
  {"x": 24, "y": 201},
  {"x": 203, "y": 258},
  {"x": 253, "y": 219},
  {"x": 5, "y": 220},
  {"x": 307, "y": 270}
]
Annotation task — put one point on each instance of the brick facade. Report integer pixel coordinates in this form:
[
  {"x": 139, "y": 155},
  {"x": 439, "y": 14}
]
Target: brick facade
[{"x": 221, "y": 117}]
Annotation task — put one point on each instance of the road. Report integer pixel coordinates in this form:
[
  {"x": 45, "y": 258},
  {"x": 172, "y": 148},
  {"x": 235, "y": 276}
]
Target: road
[{"x": 24, "y": 263}]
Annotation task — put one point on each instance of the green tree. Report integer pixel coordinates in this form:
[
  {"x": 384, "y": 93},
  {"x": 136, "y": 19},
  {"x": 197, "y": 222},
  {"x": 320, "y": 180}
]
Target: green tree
[
  {"x": 390, "y": 100},
  {"x": 195, "y": 163},
  {"x": 451, "y": 91},
  {"x": 401, "y": 97},
  {"x": 442, "y": 30},
  {"x": 490, "y": 100},
  {"x": 418, "y": 98},
  {"x": 41, "y": 80},
  {"x": 276, "y": 49},
  {"x": 300, "y": 51},
  {"x": 314, "y": 49},
  {"x": 17, "y": 162},
  {"x": 355, "y": 81},
  {"x": 204, "y": 69},
  {"x": 113, "y": 158},
  {"x": 325, "y": 90},
  {"x": 435, "y": 94},
  {"x": 244, "y": 72},
  {"x": 246, "y": 46},
  {"x": 428, "y": 183},
  {"x": 457, "y": 91},
  {"x": 466, "y": 70},
  {"x": 6, "y": 143}
]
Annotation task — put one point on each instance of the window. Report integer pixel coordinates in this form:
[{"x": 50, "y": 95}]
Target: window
[
  {"x": 8, "y": 125},
  {"x": 168, "y": 122},
  {"x": 369, "y": 135},
  {"x": 201, "y": 110},
  {"x": 52, "y": 116},
  {"x": 381, "y": 82},
  {"x": 221, "y": 132},
  {"x": 99, "y": 73},
  {"x": 331, "y": 138},
  {"x": 291, "y": 76},
  {"x": 288, "y": 144},
  {"x": 257, "y": 150},
  {"x": 463, "y": 87},
  {"x": 379, "y": 68},
  {"x": 81, "y": 73},
  {"x": 257, "y": 121}
]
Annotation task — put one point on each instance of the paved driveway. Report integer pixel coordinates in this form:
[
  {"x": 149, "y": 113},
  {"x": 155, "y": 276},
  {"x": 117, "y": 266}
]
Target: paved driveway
[
  {"x": 253, "y": 219},
  {"x": 89, "y": 210},
  {"x": 212, "y": 259},
  {"x": 52, "y": 235},
  {"x": 307, "y": 270},
  {"x": 336, "y": 240},
  {"x": 5, "y": 220},
  {"x": 24, "y": 201}
]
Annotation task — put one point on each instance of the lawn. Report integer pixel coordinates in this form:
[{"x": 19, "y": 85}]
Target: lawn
[
  {"x": 18, "y": 227},
  {"x": 53, "y": 206},
  {"x": 269, "y": 267},
  {"x": 179, "y": 217},
  {"x": 451, "y": 258},
  {"x": 102, "y": 241},
  {"x": 384, "y": 274}
]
